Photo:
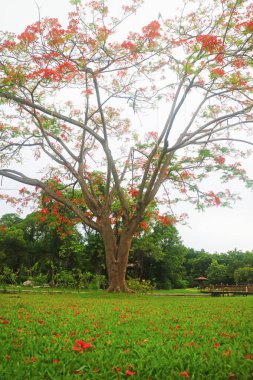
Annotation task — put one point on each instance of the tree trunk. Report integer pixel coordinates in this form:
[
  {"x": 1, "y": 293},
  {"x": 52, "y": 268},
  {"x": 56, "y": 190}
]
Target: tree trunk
[{"x": 116, "y": 259}]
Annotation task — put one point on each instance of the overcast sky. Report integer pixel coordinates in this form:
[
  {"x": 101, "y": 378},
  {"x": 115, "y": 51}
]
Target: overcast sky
[{"x": 216, "y": 229}]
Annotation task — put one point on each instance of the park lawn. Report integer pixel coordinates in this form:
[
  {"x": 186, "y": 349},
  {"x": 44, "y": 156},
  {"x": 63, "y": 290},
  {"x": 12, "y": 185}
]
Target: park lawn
[{"x": 143, "y": 337}]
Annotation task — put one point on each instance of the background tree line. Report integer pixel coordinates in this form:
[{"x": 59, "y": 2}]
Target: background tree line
[{"x": 33, "y": 250}]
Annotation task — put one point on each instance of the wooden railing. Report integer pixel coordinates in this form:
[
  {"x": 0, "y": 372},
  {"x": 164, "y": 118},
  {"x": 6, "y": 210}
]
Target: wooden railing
[
  {"x": 232, "y": 290},
  {"x": 239, "y": 288}
]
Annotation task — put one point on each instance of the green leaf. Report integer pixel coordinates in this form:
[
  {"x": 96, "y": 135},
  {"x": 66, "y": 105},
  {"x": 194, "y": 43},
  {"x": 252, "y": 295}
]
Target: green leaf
[{"x": 204, "y": 153}]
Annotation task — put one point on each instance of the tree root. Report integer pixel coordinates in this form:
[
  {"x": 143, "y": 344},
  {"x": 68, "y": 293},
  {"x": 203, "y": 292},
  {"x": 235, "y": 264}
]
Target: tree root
[{"x": 125, "y": 289}]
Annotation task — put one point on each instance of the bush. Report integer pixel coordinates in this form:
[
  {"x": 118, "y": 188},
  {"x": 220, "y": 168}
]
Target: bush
[
  {"x": 65, "y": 278},
  {"x": 40, "y": 279},
  {"x": 140, "y": 286},
  {"x": 7, "y": 276},
  {"x": 98, "y": 282},
  {"x": 82, "y": 279},
  {"x": 181, "y": 284}
]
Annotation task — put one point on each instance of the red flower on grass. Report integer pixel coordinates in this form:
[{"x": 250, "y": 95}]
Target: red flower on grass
[
  {"x": 130, "y": 373},
  {"x": 185, "y": 374},
  {"x": 81, "y": 345},
  {"x": 116, "y": 369}
]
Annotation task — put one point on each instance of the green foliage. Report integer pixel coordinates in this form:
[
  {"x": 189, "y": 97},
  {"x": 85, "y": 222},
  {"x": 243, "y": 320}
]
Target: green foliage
[
  {"x": 33, "y": 250},
  {"x": 75, "y": 2},
  {"x": 7, "y": 276},
  {"x": 9, "y": 220},
  {"x": 199, "y": 265},
  {"x": 216, "y": 273},
  {"x": 244, "y": 275},
  {"x": 40, "y": 279},
  {"x": 98, "y": 281},
  {"x": 204, "y": 153},
  {"x": 140, "y": 286},
  {"x": 158, "y": 255}
]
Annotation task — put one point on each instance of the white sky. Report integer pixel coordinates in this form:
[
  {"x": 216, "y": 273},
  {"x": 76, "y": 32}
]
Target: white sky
[{"x": 216, "y": 229}]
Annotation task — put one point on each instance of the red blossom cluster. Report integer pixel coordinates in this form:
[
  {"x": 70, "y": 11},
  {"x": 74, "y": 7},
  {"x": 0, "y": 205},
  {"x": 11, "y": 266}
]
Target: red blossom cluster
[
  {"x": 3, "y": 228},
  {"x": 81, "y": 346},
  {"x": 29, "y": 34},
  {"x": 214, "y": 198},
  {"x": 144, "y": 225},
  {"x": 133, "y": 192},
  {"x": 7, "y": 45},
  {"x": 151, "y": 30},
  {"x": 220, "y": 160},
  {"x": 211, "y": 44},
  {"x": 165, "y": 220},
  {"x": 218, "y": 72},
  {"x": 239, "y": 63},
  {"x": 248, "y": 25},
  {"x": 56, "y": 73},
  {"x": 153, "y": 135},
  {"x": 128, "y": 45},
  {"x": 103, "y": 33}
]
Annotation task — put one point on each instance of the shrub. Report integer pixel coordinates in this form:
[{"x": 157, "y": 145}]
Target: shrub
[
  {"x": 7, "y": 276},
  {"x": 140, "y": 286}
]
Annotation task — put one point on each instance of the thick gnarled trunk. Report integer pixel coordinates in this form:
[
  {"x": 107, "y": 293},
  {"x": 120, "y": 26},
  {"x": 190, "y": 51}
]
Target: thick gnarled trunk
[{"x": 116, "y": 260}]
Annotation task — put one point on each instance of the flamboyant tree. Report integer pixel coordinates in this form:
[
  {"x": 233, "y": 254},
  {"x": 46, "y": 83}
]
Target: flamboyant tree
[{"x": 75, "y": 96}]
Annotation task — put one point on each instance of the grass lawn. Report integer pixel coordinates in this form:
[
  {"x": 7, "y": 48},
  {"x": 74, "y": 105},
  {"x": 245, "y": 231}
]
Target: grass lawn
[{"x": 110, "y": 336}]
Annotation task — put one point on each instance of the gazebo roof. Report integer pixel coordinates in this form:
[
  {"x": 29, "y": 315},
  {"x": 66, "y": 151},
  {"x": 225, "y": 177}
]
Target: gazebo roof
[{"x": 201, "y": 278}]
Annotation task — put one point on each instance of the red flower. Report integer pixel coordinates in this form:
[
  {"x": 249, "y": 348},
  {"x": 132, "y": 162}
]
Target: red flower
[
  {"x": 216, "y": 345},
  {"x": 130, "y": 373},
  {"x": 144, "y": 225},
  {"x": 134, "y": 193},
  {"x": 3, "y": 228},
  {"x": 185, "y": 374},
  {"x": 218, "y": 72},
  {"x": 165, "y": 220},
  {"x": 220, "y": 160},
  {"x": 248, "y": 356},
  {"x": 116, "y": 369},
  {"x": 210, "y": 43},
  {"x": 81, "y": 345},
  {"x": 128, "y": 45},
  {"x": 215, "y": 198},
  {"x": 227, "y": 353},
  {"x": 248, "y": 26},
  {"x": 56, "y": 361},
  {"x": 151, "y": 30},
  {"x": 88, "y": 91}
]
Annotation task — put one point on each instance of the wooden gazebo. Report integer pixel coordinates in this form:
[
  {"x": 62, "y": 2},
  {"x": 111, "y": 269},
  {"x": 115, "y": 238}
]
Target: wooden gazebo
[{"x": 201, "y": 280}]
